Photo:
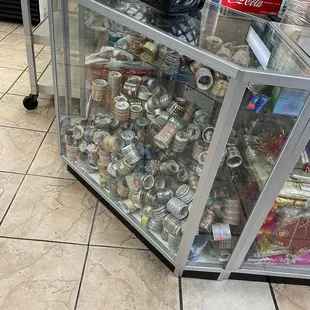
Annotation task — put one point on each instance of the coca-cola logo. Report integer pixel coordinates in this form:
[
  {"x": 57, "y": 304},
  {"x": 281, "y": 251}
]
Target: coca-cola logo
[{"x": 255, "y": 3}]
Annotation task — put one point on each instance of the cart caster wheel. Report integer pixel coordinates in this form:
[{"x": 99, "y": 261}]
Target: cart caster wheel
[{"x": 30, "y": 102}]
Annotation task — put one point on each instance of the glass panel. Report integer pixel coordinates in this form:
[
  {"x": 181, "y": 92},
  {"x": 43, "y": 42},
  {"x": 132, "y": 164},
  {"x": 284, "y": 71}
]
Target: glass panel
[
  {"x": 265, "y": 119},
  {"x": 248, "y": 41},
  {"x": 284, "y": 237},
  {"x": 134, "y": 121},
  {"x": 299, "y": 35}
]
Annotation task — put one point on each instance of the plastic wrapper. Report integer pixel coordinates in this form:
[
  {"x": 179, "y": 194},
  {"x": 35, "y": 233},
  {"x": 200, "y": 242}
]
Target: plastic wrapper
[
  {"x": 269, "y": 225},
  {"x": 199, "y": 244},
  {"x": 224, "y": 248},
  {"x": 296, "y": 203},
  {"x": 264, "y": 247},
  {"x": 295, "y": 236},
  {"x": 297, "y": 13},
  {"x": 286, "y": 215}
]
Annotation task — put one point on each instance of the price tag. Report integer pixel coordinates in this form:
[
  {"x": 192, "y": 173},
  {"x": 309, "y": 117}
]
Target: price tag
[{"x": 305, "y": 187}]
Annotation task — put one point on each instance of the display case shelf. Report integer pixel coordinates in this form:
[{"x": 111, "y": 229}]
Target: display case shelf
[
  {"x": 46, "y": 86},
  {"x": 41, "y": 32}
]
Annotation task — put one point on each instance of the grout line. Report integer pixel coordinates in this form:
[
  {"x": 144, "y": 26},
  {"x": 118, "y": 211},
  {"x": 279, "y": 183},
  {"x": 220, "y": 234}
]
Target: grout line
[
  {"x": 44, "y": 70},
  {"x": 8, "y": 208},
  {"x": 38, "y": 53},
  {"x": 70, "y": 243},
  {"x": 39, "y": 74},
  {"x": 41, "y": 49},
  {"x": 23, "y": 71},
  {"x": 180, "y": 293},
  {"x": 14, "y": 127},
  {"x": 19, "y": 69},
  {"x": 42, "y": 240},
  {"x": 93, "y": 222},
  {"x": 11, "y": 172},
  {"x": 19, "y": 95},
  {"x": 117, "y": 247},
  {"x": 36, "y": 153},
  {"x": 86, "y": 256},
  {"x": 274, "y": 298},
  {"x": 51, "y": 177},
  {"x": 81, "y": 280},
  {"x": 10, "y": 32}
]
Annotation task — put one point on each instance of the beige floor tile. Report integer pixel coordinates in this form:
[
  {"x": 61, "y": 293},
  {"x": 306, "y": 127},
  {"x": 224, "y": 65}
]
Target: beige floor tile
[
  {"x": 232, "y": 295},
  {"x": 292, "y": 297},
  {"x": 20, "y": 29},
  {"x": 8, "y": 27},
  {"x": 16, "y": 41},
  {"x": 8, "y": 186},
  {"x": 13, "y": 113},
  {"x": 127, "y": 279},
  {"x": 46, "y": 50},
  {"x": 50, "y": 209},
  {"x": 10, "y": 58},
  {"x": 72, "y": 5},
  {"x": 48, "y": 162},
  {"x": 53, "y": 127},
  {"x": 42, "y": 61},
  {"x": 39, "y": 275},
  {"x": 108, "y": 230},
  {"x": 3, "y": 34},
  {"x": 22, "y": 85},
  {"x": 18, "y": 148},
  {"x": 46, "y": 96},
  {"x": 8, "y": 77}
]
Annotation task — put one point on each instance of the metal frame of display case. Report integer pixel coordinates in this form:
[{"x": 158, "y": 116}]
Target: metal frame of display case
[{"x": 240, "y": 77}]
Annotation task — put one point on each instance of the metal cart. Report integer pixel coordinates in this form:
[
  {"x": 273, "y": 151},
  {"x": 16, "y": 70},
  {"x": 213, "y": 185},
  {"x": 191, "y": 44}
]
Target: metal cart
[
  {"x": 42, "y": 84},
  {"x": 30, "y": 102}
]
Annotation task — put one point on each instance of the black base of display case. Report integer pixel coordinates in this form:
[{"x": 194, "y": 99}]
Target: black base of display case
[
  {"x": 187, "y": 273},
  {"x": 200, "y": 275},
  {"x": 269, "y": 279}
]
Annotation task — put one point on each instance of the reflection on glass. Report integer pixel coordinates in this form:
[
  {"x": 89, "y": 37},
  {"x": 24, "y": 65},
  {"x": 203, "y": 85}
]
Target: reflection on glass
[
  {"x": 300, "y": 35},
  {"x": 284, "y": 237},
  {"x": 143, "y": 125},
  {"x": 265, "y": 119}
]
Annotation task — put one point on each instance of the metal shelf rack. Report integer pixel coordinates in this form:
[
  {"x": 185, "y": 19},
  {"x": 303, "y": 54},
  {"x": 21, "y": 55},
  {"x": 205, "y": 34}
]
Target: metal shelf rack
[{"x": 40, "y": 36}]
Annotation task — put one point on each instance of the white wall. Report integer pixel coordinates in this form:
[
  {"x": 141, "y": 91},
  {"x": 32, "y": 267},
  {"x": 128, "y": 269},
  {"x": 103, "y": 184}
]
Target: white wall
[{"x": 43, "y": 9}]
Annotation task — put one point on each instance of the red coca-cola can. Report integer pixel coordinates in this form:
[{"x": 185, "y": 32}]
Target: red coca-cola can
[{"x": 270, "y": 7}]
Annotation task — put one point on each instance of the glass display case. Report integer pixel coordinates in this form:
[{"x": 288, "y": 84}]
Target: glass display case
[{"x": 181, "y": 124}]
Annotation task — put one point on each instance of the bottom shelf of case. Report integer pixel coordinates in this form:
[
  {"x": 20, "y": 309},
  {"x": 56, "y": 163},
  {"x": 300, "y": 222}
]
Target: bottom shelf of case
[
  {"x": 45, "y": 82},
  {"x": 272, "y": 274},
  {"x": 288, "y": 271},
  {"x": 130, "y": 221}
]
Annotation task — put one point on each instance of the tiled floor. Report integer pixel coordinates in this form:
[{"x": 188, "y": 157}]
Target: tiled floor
[{"x": 60, "y": 248}]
